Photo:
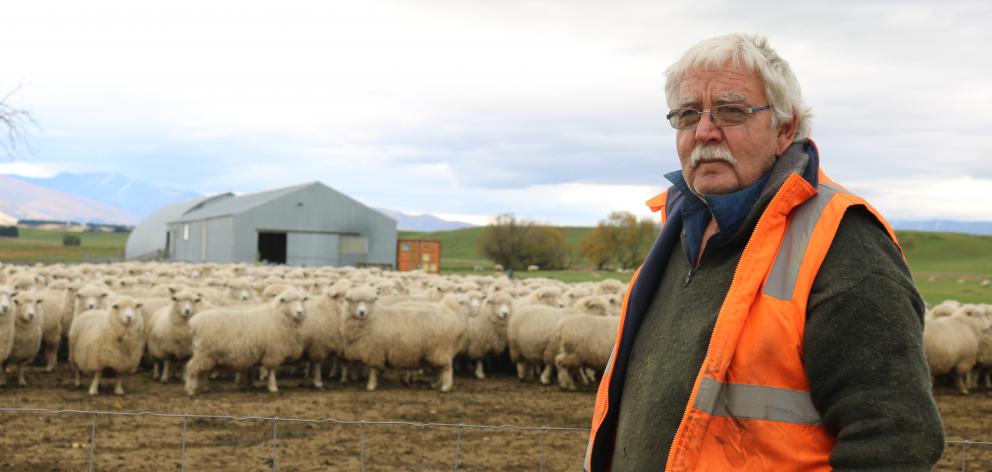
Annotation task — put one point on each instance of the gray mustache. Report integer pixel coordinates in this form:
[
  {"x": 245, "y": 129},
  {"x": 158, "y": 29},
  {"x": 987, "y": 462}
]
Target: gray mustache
[{"x": 704, "y": 151}]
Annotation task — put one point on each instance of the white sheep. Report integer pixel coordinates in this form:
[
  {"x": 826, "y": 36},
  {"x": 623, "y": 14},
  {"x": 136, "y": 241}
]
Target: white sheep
[
  {"x": 485, "y": 333},
  {"x": 322, "y": 330},
  {"x": 88, "y": 297},
  {"x": 169, "y": 336},
  {"x": 530, "y": 332},
  {"x": 945, "y": 308},
  {"x": 583, "y": 341},
  {"x": 112, "y": 338},
  {"x": 27, "y": 335},
  {"x": 951, "y": 344},
  {"x": 402, "y": 336},
  {"x": 56, "y": 305},
  {"x": 240, "y": 337},
  {"x": 7, "y": 315}
]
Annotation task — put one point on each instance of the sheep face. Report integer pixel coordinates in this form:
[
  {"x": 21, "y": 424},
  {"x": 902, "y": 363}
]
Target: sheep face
[
  {"x": 290, "y": 304},
  {"x": 360, "y": 302},
  {"x": 125, "y": 311},
  {"x": 91, "y": 298},
  {"x": 26, "y": 305},
  {"x": 185, "y": 302},
  {"x": 501, "y": 305},
  {"x": 6, "y": 303}
]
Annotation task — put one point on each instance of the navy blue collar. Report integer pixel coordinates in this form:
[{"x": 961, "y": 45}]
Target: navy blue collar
[{"x": 729, "y": 210}]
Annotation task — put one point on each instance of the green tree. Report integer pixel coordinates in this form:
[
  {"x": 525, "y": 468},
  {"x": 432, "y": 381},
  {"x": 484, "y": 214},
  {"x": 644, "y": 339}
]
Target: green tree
[
  {"x": 516, "y": 244},
  {"x": 619, "y": 240}
]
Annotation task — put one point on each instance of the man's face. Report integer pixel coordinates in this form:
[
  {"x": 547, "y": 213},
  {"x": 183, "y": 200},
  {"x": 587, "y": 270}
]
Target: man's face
[{"x": 753, "y": 144}]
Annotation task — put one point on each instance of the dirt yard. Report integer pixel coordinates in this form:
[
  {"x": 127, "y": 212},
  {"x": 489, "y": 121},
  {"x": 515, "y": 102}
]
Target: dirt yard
[{"x": 60, "y": 442}]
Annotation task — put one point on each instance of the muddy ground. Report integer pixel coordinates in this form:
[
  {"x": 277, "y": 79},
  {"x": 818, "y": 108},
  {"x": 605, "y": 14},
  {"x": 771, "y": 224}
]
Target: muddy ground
[{"x": 60, "y": 442}]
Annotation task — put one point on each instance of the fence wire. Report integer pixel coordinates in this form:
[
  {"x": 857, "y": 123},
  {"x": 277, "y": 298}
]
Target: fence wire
[
  {"x": 361, "y": 423},
  {"x": 275, "y": 420}
]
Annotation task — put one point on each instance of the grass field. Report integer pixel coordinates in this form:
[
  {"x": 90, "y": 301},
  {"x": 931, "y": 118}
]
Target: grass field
[
  {"x": 39, "y": 245},
  {"x": 945, "y": 265}
]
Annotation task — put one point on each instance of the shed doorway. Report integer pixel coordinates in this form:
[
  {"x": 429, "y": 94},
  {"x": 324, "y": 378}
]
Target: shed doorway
[{"x": 272, "y": 248}]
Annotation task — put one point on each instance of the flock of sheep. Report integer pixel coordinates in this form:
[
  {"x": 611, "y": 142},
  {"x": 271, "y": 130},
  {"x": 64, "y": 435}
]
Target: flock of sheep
[
  {"x": 957, "y": 340},
  {"x": 203, "y": 319}
]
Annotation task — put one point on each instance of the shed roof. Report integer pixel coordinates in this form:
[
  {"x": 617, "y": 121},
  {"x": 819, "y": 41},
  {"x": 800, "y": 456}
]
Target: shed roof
[
  {"x": 148, "y": 236},
  {"x": 238, "y": 204}
]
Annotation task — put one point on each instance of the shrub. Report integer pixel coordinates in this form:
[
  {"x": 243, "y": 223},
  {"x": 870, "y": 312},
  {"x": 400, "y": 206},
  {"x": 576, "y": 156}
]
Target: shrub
[
  {"x": 9, "y": 231},
  {"x": 70, "y": 240},
  {"x": 516, "y": 244}
]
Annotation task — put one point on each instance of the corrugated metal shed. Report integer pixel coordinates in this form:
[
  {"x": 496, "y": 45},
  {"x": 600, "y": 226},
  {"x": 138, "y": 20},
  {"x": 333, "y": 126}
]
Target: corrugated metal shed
[
  {"x": 303, "y": 225},
  {"x": 148, "y": 239}
]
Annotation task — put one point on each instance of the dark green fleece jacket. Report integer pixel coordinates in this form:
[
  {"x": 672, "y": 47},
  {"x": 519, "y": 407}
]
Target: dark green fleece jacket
[{"x": 862, "y": 349}]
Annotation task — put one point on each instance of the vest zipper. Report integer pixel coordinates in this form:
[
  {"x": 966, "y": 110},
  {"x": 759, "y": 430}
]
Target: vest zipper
[
  {"x": 716, "y": 325},
  {"x": 688, "y": 278}
]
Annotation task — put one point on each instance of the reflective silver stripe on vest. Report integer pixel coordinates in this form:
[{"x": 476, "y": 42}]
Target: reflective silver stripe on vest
[
  {"x": 782, "y": 280},
  {"x": 755, "y": 402}
]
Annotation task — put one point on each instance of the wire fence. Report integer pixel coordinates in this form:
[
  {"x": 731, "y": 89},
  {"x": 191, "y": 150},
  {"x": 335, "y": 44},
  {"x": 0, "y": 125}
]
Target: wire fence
[
  {"x": 275, "y": 421},
  {"x": 964, "y": 446}
]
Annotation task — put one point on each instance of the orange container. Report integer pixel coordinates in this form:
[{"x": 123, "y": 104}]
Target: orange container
[{"x": 413, "y": 254}]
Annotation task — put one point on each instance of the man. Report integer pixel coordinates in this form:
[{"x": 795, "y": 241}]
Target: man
[{"x": 774, "y": 325}]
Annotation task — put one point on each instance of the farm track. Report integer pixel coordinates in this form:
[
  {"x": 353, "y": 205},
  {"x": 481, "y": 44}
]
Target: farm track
[{"x": 48, "y": 442}]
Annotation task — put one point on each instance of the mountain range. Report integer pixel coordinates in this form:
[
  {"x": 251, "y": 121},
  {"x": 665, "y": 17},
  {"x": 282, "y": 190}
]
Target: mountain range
[{"x": 116, "y": 199}]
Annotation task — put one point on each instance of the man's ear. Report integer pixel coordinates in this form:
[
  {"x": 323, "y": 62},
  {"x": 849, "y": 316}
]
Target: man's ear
[{"x": 787, "y": 134}]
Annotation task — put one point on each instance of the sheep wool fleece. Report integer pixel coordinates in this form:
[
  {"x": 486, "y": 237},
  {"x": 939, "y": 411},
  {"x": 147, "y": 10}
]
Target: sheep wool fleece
[{"x": 861, "y": 352}]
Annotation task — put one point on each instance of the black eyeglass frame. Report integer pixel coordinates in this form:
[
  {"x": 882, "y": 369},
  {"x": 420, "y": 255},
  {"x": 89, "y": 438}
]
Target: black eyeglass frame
[{"x": 748, "y": 111}]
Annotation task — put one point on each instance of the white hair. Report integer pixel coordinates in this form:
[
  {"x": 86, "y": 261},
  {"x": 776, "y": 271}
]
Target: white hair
[{"x": 752, "y": 53}]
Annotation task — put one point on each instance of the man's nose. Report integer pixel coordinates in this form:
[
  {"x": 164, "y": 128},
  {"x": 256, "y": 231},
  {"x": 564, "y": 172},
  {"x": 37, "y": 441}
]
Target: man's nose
[{"x": 706, "y": 130}]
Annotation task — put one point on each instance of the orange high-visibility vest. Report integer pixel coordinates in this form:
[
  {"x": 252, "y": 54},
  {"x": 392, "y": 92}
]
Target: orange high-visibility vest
[{"x": 750, "y": 407}]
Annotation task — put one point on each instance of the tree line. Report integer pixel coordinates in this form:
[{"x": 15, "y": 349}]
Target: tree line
[{"x": 619, "y": 241}]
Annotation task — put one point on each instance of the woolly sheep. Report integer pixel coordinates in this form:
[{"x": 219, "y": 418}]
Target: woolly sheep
[
  {"x": 945, "y": 308},
  {"x": 169, "y": 336},
  {"x": 402, "y": 336},
  {"x": 56, "y": 305},
  {"x": 243, "y": 336},
  {"x": 584, "y": 341},
  {"x": 88, "y": 297},
  {"x": 111, "y": 338},
  {"x": 548, "y": 296},
  {"x": 322, "y": 331},
  {"x": 529, "y": 332},
  {"x": 593, "y": 305},
  {"x": 485, "y": 333},
  {"x": 7, "y": 315},
  {"x": 27, "y": 335},
  {"x": 951, "y": 344}
]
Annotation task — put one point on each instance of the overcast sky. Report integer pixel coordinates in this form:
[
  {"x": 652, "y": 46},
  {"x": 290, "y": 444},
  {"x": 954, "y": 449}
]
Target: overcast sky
[{"x": 552, "y": 110}]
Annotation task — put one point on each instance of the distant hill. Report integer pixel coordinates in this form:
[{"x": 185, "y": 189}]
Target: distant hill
[
  {"x": 405, "y": 222},
  {"x": 131, "y": 196},
  {"x": 27, "y": 201},
  {"x": 945, "y": 226}
]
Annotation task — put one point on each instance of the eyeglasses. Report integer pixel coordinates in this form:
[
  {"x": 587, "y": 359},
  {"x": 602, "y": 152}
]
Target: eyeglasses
[{"x": 722, "y": 115}]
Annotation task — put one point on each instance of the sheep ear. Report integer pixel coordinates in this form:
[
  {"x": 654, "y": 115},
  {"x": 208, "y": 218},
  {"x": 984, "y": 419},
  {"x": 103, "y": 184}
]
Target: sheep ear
[
  {"x": 175, "y": 299},
  {"x": 114, "y": 306},
  {"x": 138, "y": 305},
  {"x": 173, "y": 289},
  {"x": 280, "y": 300},
  {"x": 104, "y": 294},
  {"x": 306, "y": 298},
  {"x": 198, "y": 300}
]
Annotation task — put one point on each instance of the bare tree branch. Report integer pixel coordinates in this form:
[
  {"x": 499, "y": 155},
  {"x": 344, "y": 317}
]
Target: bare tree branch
[{"x": 14, "y": 124}]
